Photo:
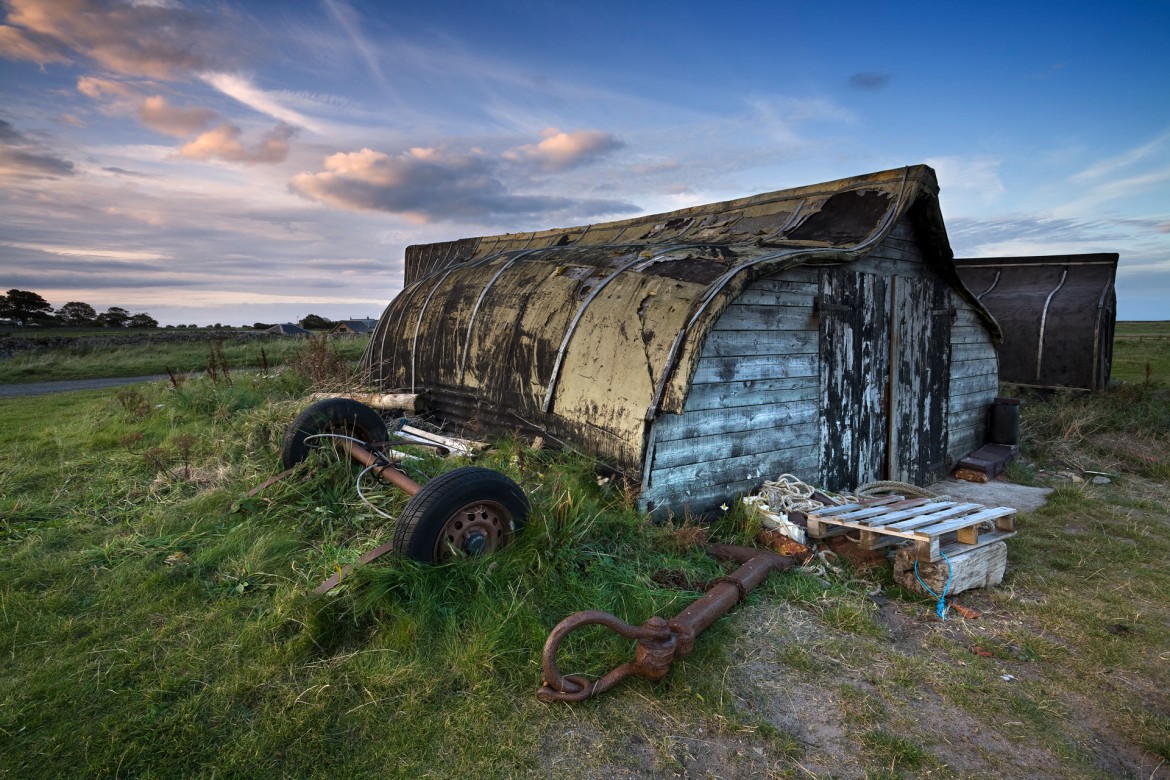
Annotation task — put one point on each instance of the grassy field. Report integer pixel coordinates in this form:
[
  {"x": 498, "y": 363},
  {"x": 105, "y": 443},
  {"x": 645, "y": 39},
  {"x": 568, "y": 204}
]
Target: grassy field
[
  {"x": 84, "y": 361},
  {"x": 156, "y": 622},
  {"x": 1141, "y": 347}
]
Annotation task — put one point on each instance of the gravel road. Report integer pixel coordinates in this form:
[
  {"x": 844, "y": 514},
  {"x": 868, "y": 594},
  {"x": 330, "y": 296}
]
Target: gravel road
[{"x": 69, "y": 385}]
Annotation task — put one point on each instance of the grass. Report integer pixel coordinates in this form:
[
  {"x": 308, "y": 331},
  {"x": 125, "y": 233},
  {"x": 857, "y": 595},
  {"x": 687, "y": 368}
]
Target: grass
[
  {"x": 156, "y": 623},
  {"x": 1141, "y": 352},
  {"x": 92, "y": 359}
]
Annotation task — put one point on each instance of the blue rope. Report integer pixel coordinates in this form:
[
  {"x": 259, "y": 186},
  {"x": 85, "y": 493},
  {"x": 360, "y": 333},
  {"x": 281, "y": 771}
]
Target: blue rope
[{"x": 942, "y": 600}]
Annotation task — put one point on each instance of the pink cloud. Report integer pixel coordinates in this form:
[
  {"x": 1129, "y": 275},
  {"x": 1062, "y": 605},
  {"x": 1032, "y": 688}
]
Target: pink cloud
[
  {"x": 560, "y": 151},
  {"x": 157, "y": 114},
  {"x": 223, "y": 142}
]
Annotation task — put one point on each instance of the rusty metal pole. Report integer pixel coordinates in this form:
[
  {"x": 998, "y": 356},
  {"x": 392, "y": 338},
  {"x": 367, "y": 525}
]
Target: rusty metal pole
[
  {"x": 658, "y": 642},
  {"x": 384, "y": 472}
]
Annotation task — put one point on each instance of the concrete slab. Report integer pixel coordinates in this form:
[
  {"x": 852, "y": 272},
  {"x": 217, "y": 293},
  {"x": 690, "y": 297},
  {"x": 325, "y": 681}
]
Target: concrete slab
[{"x": 1022, "y": 498}]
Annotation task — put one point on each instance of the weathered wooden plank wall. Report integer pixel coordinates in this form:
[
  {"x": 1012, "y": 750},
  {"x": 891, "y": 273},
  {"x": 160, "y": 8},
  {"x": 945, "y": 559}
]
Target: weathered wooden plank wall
[
  {"x": 770, "y": 394},
  {"x": 974, "y": 380},
  {"x": 753, "y": 407}
]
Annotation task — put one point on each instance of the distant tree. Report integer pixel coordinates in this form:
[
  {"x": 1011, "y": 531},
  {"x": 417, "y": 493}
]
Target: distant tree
[
  {"x": 141, "y": 320},
  {"x": 314, "y": 322},
  {"x": 261, "y": 325},
  {"x": 113, "y": 317},
  {"x": 23, "y": 306},
  {"x": 77, "y": 313}
]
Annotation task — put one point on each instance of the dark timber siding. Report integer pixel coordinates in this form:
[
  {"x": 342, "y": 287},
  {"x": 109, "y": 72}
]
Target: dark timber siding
[{"x": 798, "y": 373}]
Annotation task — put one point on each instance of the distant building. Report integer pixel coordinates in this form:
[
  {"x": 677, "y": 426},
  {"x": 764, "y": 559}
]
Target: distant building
[
  {"x": 288, "y": 329},
  {"x": 354, "y": 326}
]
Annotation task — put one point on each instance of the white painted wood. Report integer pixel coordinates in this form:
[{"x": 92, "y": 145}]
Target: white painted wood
[
  {"x": 755, "y": 468},
  {"x": 714, "y": 369},
  {"x": 725, "y": 444},
  {"x": 743, "y": 317},
  {"x": 760, "y": 342},
  {"x": 672, "y": 427},
  {"x": 752, "y": 392}
]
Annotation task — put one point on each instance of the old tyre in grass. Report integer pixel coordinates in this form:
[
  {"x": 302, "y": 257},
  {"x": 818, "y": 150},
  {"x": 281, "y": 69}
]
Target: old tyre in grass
[
  {"x": 341, "y": 416},
  {"x": 465, "y": 512}
]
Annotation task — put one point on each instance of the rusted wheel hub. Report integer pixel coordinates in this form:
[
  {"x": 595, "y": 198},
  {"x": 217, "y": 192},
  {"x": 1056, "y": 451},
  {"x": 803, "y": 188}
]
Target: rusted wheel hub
[{"x": 474, "y": 529}]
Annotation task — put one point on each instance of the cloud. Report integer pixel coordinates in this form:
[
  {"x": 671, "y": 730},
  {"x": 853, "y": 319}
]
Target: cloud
[
  {"x": 869, "y": 81},
  {"x": 157, "y": 114},
  {"x": 224, "y": 143},
  {"x": 156, "y": 40},
  {"x": 241, "y": 89},
  {"x": 23, "y": 45},
  {"x": 75, "y": 251},
  {"x": 1107, "y": 191},
  {"x": 1121, "y": 161},
  {"x": 123, "y": 172},
  {"x": 428, "y": 185},
  {"x": 967, "y": 182},
  {"x": 22, "y": 158},
  {"x": 559, "y": 151},
  {"x": 102, "y": 89},
  {"x": 349, "y": 23}
]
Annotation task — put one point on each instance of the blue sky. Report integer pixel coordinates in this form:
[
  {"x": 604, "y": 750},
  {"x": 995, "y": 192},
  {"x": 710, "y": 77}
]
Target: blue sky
[{"x": 245, "y": 161}]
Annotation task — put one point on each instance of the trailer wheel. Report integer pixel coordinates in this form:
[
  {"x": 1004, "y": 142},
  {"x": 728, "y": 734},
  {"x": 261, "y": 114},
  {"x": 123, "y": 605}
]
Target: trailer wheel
[
  {"x": 342, "y": 416},
  {"x": 465, "y": 512}
]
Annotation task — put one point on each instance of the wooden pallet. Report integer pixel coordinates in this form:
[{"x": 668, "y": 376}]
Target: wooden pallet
[{"x": 928, "y": 523}]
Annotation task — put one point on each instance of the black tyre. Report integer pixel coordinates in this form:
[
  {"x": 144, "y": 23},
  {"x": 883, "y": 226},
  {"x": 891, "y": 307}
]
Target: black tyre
[
  {"x": 465, "y": 512},
  {"x": 342, "y": 416}
]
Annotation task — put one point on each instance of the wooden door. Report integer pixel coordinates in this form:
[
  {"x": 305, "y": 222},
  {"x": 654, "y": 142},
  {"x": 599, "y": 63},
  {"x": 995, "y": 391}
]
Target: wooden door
[
  {"x": 854, "y": 365},
  {"x": 885, "y": 377},
  {"x": 919, "y": 379}
]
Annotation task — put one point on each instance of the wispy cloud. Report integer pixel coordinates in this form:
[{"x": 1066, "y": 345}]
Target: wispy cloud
[
  {"x": 1124, "y": 160},
  {"x": 967, "y": 183},
  {"x": 243, "y": 90},
  {"x": 1114, "y": 190},
  {"x": 347, "y": 19},
  {"x": 23, "y": 158},
  {"x": 85, "y": 251}
]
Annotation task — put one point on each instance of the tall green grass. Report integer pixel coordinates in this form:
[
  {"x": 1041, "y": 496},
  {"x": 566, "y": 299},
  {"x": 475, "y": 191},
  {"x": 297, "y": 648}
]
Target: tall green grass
[
  {"x": 160, "y": 623},
  {"x": 156, "y": 622}
]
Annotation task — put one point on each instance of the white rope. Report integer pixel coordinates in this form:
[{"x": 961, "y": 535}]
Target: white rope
[{"x": 788, "y": 493}]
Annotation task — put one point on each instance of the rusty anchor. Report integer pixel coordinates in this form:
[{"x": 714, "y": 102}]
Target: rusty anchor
[{"x": 659, "y": 642}]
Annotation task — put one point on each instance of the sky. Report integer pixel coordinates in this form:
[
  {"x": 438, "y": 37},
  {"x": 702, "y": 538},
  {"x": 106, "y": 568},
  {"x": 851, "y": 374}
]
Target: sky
[{"x": 241, "y": 162}]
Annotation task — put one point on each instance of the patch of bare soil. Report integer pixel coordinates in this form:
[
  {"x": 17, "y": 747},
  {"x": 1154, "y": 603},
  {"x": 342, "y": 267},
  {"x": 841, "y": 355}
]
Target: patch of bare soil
[{"x": 823, "y": 690}]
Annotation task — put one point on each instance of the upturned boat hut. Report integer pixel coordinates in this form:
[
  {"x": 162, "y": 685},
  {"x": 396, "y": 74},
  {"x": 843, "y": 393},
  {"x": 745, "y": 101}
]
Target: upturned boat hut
[
  {"x": 1058, "y": 314},
  {"x": 821, "y": 331}
]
